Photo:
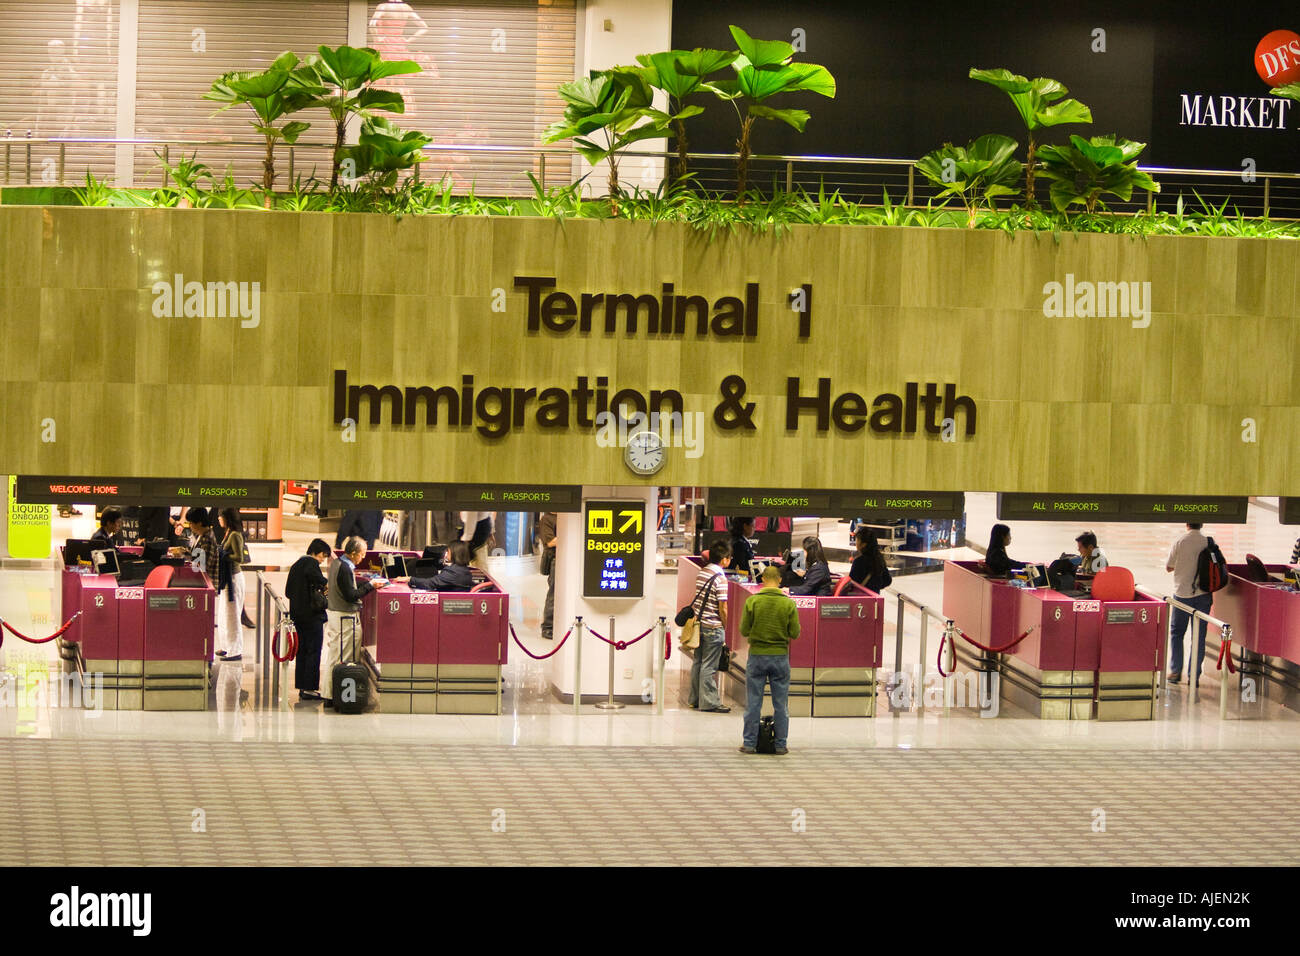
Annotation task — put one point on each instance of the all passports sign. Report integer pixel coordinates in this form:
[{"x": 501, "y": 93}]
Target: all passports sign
[{"x": 613, "y": 557}]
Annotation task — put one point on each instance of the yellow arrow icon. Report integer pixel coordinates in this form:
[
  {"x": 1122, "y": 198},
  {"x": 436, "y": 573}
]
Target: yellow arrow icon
[{"x": 633, "y": 518}]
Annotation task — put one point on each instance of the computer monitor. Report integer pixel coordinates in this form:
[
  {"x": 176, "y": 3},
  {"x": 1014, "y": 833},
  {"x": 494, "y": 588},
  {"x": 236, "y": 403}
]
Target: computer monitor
[
  {"x": 155, "y": 550},
  {"x": 77, "y": 551},
  {"x": 394, "y": 566},
  {"x": 134, "y": 571},
  {"x": 1037, "y": 575},
  {"x": 105, "y": 562}
]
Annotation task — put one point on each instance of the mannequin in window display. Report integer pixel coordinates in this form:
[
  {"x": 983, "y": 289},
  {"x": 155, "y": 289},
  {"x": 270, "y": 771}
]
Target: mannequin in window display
[
  {"x": 394, "y": 31},
  {"x": 56, "y": 109}
]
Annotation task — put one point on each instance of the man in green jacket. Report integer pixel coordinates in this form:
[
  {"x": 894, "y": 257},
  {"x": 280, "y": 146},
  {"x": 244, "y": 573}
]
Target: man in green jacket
[{"x": 770, "y": 622}]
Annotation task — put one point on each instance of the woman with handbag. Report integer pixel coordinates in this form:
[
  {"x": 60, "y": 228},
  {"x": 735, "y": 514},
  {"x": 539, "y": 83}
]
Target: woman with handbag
[
  {"x": 305, "y": 590},
  {"x": 230, "y": 603}
]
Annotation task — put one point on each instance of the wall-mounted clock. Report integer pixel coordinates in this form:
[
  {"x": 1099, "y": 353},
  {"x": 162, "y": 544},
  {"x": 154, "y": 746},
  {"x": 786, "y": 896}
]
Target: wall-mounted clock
[{"x": 644, "y": 453}]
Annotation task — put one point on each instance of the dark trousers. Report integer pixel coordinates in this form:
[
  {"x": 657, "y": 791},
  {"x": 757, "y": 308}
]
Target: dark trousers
[
  {"x": 548, "y": 612},
  {"x": 311, "y": 633}
]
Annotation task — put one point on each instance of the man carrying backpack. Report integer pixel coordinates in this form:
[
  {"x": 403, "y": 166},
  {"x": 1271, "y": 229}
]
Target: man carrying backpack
[{"x": 1184, "y": 558}]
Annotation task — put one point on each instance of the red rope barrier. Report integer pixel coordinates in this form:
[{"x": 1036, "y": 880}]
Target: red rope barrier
[
  {"x": 668, "y": 644},
  {"x": 42, "y": 640},
  {"x": 942, "y": 641},
  {"x": 622, "y": 645},
  {"x": 996, "y": 650},
  {"x": 539, "y": 657},
  {"x": 290, "y": 644},
  {"x": 1225, "y": 648}
]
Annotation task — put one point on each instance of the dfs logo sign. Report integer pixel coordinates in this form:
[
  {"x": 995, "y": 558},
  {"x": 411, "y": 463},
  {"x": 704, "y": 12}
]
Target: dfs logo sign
[{"x": 1277, "y": 58}]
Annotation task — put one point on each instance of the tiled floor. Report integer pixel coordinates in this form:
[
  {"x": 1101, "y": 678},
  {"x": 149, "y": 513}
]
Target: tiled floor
[
  {"x": 274, "y": 778},
  {"x": 165, "y": 802}
]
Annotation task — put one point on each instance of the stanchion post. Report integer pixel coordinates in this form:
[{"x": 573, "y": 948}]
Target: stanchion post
[
  {"x": 1225, "y": 650},
  {"x": 609, "y": 703},
  {"x": 577, "y": 666},
  {"x": 660, "y": 652},
  {"x": 898, "y": 653},
  {"x": 950, "y": 664},
  {"x": 275, "y": 665},
  {"x": 920, "y": 676}
]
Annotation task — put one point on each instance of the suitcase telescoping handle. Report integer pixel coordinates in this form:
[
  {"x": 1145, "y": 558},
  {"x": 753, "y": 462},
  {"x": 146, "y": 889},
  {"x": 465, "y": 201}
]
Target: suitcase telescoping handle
[{"x": 351, "y": 619}]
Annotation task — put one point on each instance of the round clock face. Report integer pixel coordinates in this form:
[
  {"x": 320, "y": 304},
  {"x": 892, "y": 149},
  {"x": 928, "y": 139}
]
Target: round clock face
[{"x": 644, "y": 453}]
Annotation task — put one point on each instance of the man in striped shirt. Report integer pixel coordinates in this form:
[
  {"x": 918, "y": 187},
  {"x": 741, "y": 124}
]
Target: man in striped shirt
[{"x": 711, "y": 609}]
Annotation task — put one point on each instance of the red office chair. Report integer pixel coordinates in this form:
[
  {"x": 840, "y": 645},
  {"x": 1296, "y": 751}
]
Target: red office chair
[
  {"x": 1256, "y": 571},
  {"x": 1113, "y": 584}
]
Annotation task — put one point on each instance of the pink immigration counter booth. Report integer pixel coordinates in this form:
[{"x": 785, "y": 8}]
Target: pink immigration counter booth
[
  {"x": 149, "y": 629},
  {"x": 1262, "y": 604},
  {"x": 438, "y": 651},
  {"x": 1094, "y": 650},
  {"x": 835, "y": 661}
]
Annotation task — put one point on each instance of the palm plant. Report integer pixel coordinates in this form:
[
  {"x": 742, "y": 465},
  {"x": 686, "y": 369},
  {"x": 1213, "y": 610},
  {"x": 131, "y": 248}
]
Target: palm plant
[
  {"x": 982, "y": 170},
  {"x": 348, "y": 76},
  {"x": 763, "y": 70},
  {"x": 272, "y": 94},
  {"x": 184, "y": 190},
  {"x": 383, "y": 150},
  {"x": 1086, "y": 169},
  {"x": 617, "y": 105},
  {"x": 679, "y": 74},
  {"x": 1040, "y": 105}
]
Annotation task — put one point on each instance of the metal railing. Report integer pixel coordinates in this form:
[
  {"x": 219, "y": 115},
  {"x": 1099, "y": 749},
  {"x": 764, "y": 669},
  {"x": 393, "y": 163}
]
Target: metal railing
[
  {"x": 1193, "y": 667},
  {"x": 492, "y": 170},
  {"x": 272, "y": 612},
  {"x": 949, "y": 629}
]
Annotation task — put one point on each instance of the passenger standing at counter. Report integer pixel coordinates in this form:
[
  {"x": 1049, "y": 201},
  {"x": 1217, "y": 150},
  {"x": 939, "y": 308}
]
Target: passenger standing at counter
[
  {"x": 1094, "y": 559},
  {"x": 549, "y": 537},
  {"x": 230, "y": 607},
  {"x": 455, "y": 576},
  {"x": 817, "y": 573},
  {"x": 996, "y": 559},
  {"x": 1183, "y": 558},
  {"x": 343, "y": 604},
  {"x": 477, "y": 534},
  {"x": 305, "y": 590},
  {"x": 869, "y": 568},
  {"x": 202, "y": 549},
  {"x": 107, "y": 536},
  {"x": 742, "y": 552},
  {"x": 710, "y": 605},
  {"x": 770, "y": 622}
]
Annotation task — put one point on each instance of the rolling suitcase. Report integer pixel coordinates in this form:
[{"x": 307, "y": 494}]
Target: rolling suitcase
[
  {"x": 766, "y": 736},
  {"x": 350, "y": 681}
]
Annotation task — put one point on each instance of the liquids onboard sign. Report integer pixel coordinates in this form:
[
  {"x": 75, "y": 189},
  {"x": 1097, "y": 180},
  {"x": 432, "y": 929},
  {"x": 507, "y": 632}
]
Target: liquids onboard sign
[{"x": 613, "y": 558}]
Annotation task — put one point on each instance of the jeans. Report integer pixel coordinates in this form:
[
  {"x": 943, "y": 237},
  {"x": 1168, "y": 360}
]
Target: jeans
[
  {"x": 1178, "y": 626},
  {"x": 704, "y": 684},
  {"x": 759, "y": 670}
]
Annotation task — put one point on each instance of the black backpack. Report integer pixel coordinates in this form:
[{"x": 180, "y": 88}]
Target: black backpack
[
  {"x": 766, "y": 736},
  {"x": 1211, "y": 568}
]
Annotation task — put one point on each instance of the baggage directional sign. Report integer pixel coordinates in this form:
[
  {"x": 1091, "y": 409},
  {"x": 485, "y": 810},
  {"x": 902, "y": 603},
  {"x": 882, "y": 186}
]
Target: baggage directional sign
[{"x": 613, "y": 560}]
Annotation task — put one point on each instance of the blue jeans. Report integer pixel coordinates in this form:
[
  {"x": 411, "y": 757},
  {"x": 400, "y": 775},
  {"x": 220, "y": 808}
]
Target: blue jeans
[
  {"x": 704, "y": 683},
  {"x": 1178, "y": 627},
  {"x": 759, "y": 670}
]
